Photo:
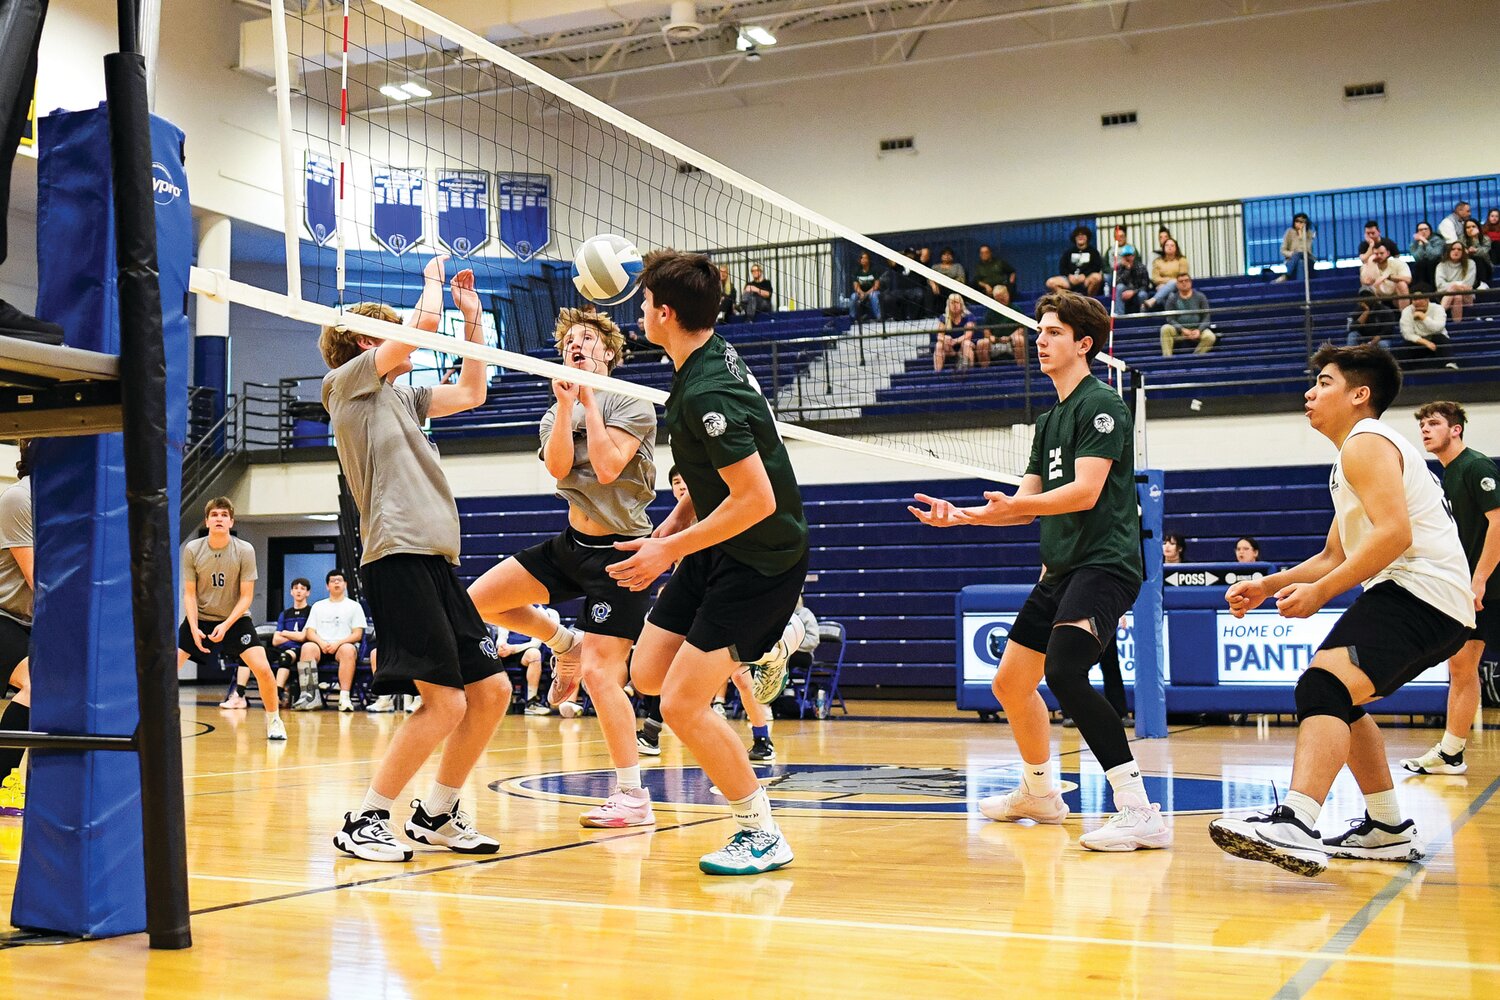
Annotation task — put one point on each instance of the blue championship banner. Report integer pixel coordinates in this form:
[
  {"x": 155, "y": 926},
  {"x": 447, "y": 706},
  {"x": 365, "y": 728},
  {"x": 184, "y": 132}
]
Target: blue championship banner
[
  {"x": 396, "y": 217},
  {"x": 463, "y": 210},
  {"x": 525, "y": 213},
  {"x": 320, "y": 179}
]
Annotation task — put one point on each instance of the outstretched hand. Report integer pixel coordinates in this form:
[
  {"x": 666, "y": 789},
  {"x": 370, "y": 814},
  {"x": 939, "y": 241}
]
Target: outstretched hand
[
  {"x": 940, "y": 513},
  {"x": 436, "y": 268},
  {"x": 465, "y": 299}
]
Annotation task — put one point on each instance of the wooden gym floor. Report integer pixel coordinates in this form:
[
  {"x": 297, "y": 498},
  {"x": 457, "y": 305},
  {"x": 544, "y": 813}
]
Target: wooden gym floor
[{"x": 899, "y": 888}]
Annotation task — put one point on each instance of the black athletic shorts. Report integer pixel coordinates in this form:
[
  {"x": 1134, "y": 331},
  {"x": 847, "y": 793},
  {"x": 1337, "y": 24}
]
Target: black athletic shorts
[
  {"x": 15, "y": 646},
  {"x": 1487, "y": 626},
  {"x": 238, "y": 637},
  {"x": 573, "y": 564},
  {"x": 1392, "y": 636},
  {"x": 717, "y": 601},
  {"x": 429, "y": 629},
  {"x": 1087, "y": 594}
]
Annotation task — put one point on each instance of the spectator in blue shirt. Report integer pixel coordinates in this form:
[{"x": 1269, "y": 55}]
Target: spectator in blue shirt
[{"x": 290, "y": 635}]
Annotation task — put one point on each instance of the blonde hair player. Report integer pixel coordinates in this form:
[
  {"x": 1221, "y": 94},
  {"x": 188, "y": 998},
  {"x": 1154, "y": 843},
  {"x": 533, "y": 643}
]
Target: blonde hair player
[
  {"x": 1472, "y": 486},
  {"x": 598, "y": 446},
  {"x": 218, "y": 586},
  {"x": 432, "y": 641}
]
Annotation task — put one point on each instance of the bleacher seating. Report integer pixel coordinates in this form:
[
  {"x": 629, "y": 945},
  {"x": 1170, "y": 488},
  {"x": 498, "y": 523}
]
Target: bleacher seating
[{"x": 893, "y": 581}]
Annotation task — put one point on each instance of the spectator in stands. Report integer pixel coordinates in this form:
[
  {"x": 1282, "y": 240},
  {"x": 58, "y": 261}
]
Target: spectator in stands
[
  {"x": 1491, "y": 230},
  {"x": 1132, "y": 283},
  {"x": 1162, "y": 235},
  {"x": 1426, "y": 250},
  {"x": 950, "y": 268},
  {"x": 1372, "y": 318},
  {"x": 864, "y": 296},
  {"x": 995, "y": 277},
  {"x": 1477, "y": 246},
  {"x": 726, "y": 294},
  {"x": 1117, "y": 248},
  {"x": 758, "y": 296},
  {"x": 289, "y": 637},
  {"x": 1452, "y": 227},
  {"x": 522, "y": 650},
  {"x": 1385, "y": 275},
  {"x": 1173, "y": 548},
  {"x": 1246, "y": 550},
  {"x": 930, "y": 294},
  {"x": 900, "y": 296},
  {"x": 1165, "y": 270},
  {"x": 1191, "y": 321},
  {"x": 1080, "y": 269},
  {"x": 1424, "y": 327},
  {"x": 1296, "y": 247},
  {"x": 334, "y": 629},
  {"x": 1000, "y": 339},
  {"x": 955, "y": 336},
  {"x": 1456, "y": 278},
  {"x": 1366, "y": 248}
]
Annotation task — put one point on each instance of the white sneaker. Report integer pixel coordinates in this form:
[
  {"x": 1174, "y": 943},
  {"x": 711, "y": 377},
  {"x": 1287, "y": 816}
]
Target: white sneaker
[
  {"x": 385, "y": 703},
  {"x": 275, "y": 729},
  {"x": 306, "y": 702},
  {"x": 768, "y": 674},
  {"x": 565, "y": 670},
  {"x": 570, "y": 710},
  {"x": 234, "y": 701},
  {"x": 1133, "y": 828},
  {"x": 719, "y": 710},
  {"x": 452, "y": 830},
  {"x": 1435, "y": 761},
  {"x": 367, "y": 836},
  {"x": 1018, "y": 804},
  {"x": 413, "y": 702},
  {"x": 1277, "y": 837},
  {"x": 346, "y": 703},
  {"x": 1367, "y": 840},
  {"x": 749, "y": 852}
]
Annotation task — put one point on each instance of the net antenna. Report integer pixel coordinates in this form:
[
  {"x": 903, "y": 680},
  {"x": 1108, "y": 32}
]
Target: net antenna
[{"x": 411, "y": 104}]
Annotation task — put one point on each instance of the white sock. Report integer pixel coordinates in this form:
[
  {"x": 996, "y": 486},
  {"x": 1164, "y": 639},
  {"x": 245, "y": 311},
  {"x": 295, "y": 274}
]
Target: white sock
[
  {"x": 374, "y": 800},
  {"x": 531, "y": 692},
  {"x": 562, "y": 640},
  {"x": 1129, "y": 789},
  {"x": 441, "y": 800},
  {"x": 754, "y": 812},
  {"x": 1037, "y": 778},
  {"x": 628, "y": 777},
  {"x": 1383, "y": 807},
  {"x": 1452, "y": 745},
  {"x": 1304, "y": 807}
]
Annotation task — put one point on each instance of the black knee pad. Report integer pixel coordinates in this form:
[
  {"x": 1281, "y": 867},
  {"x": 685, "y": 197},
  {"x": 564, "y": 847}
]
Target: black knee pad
[
  {"x": 1071, "y": 652},
  {"x": 1321, "y": 693}
]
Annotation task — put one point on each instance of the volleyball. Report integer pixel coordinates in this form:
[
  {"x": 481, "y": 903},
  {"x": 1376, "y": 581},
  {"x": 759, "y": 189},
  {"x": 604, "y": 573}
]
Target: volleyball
[{"x": 607, "y": 269}]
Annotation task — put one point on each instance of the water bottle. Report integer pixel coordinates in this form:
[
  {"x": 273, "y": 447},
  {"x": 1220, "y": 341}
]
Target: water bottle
[{"x": 820, "y": 704}]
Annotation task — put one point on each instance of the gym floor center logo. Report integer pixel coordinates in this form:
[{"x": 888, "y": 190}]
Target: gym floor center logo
[
  {"x": 877, "y": 788},
  {"x": 164, "y": 190}
]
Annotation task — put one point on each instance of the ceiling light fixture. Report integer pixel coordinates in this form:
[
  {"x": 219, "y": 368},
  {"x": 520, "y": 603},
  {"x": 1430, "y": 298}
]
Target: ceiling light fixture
[
  {"x": 415, "y": 89},
  {"x": 394, "y": 92},
  {"x": 757, "y": 35}
]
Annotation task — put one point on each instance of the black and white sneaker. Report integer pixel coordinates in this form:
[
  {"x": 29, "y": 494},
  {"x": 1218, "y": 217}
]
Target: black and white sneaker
[
  {"x": 1435, "y": 761},
  {"x": 1277, "y": 837},
  {"x": 367, "y": 835},
  {"x": 452, "y": 830},
  {"x": 762, "y": 750},
  {"x": 648, "y": 740},
  {"x": 1368, "y": 840}
]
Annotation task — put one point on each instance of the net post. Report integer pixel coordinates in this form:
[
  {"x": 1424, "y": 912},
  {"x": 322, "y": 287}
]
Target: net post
[
  {"x": 289, "y": 219},
  {"x": 1148, "y": 612},
  {"x": 1137, "y": 387},
  {"x": 143, "y": 377}
]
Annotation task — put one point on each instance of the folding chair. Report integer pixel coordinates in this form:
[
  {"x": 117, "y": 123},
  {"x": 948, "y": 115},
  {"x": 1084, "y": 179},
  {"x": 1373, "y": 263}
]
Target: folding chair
[{"x": 824, "y": 671}]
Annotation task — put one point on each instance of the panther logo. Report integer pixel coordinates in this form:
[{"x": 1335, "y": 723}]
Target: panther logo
[
  {"x": 245, "y": 639},
  {"x": 1487, "y": 484},
  {"x": 715, "y": 424},
  {"x": 1104, "y": 423},
  {"x": 600, "y": 612},
  {"x": 488, "y": 648}
]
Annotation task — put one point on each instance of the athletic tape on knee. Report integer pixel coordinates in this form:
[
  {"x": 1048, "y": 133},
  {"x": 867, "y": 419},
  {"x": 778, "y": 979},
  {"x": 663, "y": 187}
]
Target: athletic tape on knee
[{"x": 1321, "y": 693}]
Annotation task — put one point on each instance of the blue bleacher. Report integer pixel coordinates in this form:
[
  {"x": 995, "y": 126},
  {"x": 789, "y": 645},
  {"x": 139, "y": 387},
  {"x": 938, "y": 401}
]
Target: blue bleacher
[{"x": 892, "y": 581}]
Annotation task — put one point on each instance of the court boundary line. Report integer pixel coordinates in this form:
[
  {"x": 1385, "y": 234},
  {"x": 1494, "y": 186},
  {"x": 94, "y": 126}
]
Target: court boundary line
[{"x": 1336, "y": 948}]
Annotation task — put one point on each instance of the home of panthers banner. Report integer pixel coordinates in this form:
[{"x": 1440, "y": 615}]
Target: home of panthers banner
[
  {"x": 525, "y": 213},
  {"x": 320, "y": 175},
  {"x": 463, "y": 210},
  {"x": 399, "y": 197}
]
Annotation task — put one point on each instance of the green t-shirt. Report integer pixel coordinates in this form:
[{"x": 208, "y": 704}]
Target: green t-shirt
[
  {"x": 1470, "y": 483},
  {"x": 716, "y": 416},
  {"x": 865, "y": 278},
  {"x": 1093, "y": 422}
]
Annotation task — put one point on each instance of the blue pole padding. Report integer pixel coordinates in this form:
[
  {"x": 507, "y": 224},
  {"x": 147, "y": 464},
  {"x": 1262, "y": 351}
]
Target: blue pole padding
[
  {"x": 81, "y": 869},
  {"x": 1150, "y": 685}
]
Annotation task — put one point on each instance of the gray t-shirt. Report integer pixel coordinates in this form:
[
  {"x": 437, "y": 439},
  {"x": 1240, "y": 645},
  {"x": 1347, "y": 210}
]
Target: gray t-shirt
[
  {"x": 620, "y": 506},
  {"x": 218, "y": 573},
  {"x": 15, "y": 532},
  {"x": 405, "y": 505}
]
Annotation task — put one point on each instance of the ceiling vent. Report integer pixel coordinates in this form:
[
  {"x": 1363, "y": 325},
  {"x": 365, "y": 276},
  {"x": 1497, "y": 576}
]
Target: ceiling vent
[
  {"x": 1364, "y": 91},
  {"x": 1117, "y": 119},
  {"x": 683, "y": 26},
  {"x": 905, "y": 144}
]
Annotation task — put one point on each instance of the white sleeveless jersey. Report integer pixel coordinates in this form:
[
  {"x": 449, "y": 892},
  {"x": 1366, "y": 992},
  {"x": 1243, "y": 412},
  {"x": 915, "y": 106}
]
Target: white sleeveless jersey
[{"x": 1433, "y": 567}]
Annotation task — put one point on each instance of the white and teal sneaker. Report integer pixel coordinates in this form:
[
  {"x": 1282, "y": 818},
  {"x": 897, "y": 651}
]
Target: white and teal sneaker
[
  {"x": 749, "y": 852},
  {"x": 768, "y": 675}
]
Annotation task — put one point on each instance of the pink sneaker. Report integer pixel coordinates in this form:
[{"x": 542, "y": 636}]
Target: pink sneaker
[
  {"x": 234, "y": 701},
  {"x": 632, "y": 808},
  {"x": 565, "y": 670}
]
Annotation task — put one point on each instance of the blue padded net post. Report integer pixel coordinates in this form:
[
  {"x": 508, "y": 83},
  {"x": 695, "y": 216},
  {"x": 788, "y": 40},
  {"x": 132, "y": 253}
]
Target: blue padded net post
[{"x": 1150, "y": 685}]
